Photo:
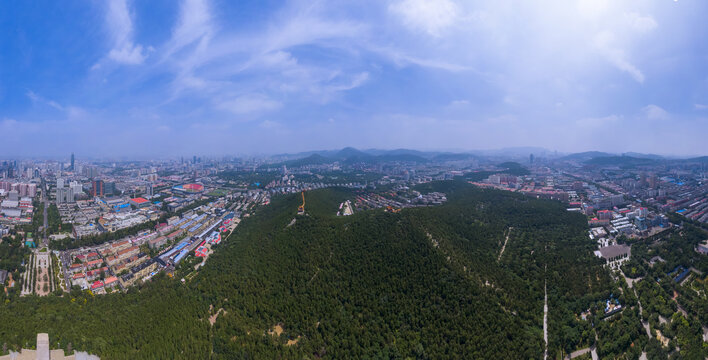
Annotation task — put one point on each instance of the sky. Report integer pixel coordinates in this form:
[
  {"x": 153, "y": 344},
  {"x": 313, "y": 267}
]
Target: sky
[{"x": 219, "y": 77}]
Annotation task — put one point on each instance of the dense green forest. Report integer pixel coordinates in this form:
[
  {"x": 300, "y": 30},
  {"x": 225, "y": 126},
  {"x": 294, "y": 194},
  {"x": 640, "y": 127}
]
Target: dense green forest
[
  {"x": 12, "y": 255},
  {"x": 423, "y": 283}
]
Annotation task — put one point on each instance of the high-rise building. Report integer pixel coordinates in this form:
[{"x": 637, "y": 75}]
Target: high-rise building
[
  {"x": 23, "y": 189},
  {"x": 109, "y": 188},
  {"x": 76, "y": 187},
  {"x": 32, "y": 190},
  {"x": 531, "y": 159},
  {"x": 90, "y": 171},
  {"x": 65, "y": 195},
  {"x": 60, "y": 183},
  {"x": 97, "y": 188},
  {"x": 148, "y": 189},
  {"x": 72, "y": 162}
]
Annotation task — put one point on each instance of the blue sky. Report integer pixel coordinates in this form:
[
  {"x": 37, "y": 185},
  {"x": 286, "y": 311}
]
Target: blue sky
[{"x": 214, "y": 77}]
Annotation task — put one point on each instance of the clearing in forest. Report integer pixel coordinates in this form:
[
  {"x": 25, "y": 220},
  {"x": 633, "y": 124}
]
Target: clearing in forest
[
  {"x": 212, "y": 319},
  {"x": 276, "y": 330}
]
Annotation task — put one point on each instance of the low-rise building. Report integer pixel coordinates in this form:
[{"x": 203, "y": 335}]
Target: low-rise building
[
  {"x": 157, "y": 242},
  {"x": 126, "y": 253}
]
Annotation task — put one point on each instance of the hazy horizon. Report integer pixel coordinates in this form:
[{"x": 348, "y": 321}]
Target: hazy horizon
[
  {"x": 129, "y": 79},
  {"x": 518, "y": 151}
]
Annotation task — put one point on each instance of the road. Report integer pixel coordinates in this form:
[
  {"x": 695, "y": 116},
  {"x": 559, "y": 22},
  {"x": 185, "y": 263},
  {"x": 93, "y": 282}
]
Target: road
[
  {"x": 545, "y": 319},
  {"x": 65, "y": 261},
  {"x": 45, "y": 200},
  {"x": 505, "y": 241}
]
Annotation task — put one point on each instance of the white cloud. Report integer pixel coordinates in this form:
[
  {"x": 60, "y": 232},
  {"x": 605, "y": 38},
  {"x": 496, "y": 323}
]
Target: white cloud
[
  {"x": 641, "y": 23},
  {"x": 251, "y": 103},
  {"x": 120, "y": 26},
  {"x": 700, "y": 106},
  {"x": 592, "y": 8},
  {"x": 605, "y": 43},
  {"x": 431, "y": 16},
  {"x": 654, "y": 112},
  {"x": 194, "y": 24},
  {"x": 39, "y": 99},
  {"x": 402, "y": 59},
  {"x": 32, "y": 96},
  {"x": 356, "y": 81}
]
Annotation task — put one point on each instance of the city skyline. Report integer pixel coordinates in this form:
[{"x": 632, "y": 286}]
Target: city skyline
[{"x": 197, "y": 76}]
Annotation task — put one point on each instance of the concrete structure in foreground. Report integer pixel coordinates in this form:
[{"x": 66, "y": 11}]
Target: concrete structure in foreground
[{"x": 44, "y": 353}]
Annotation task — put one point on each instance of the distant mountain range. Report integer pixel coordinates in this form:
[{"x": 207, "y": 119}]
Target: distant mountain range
[
  {"x": 628, "y": 159},
  {"x": 350, "y": 155}
]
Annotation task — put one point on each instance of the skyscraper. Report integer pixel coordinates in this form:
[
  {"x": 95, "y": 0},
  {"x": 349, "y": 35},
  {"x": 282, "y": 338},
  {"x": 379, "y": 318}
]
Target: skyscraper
[
  {"x": 97, "y": 188},
  {"x": 72, "y": 162}
]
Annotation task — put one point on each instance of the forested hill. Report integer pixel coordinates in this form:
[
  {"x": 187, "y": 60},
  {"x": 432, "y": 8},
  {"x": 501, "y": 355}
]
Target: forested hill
[{"x": 422, "y": 283}]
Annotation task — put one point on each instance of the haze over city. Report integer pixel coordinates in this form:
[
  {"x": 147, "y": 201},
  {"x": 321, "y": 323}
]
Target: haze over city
[{"x": 161, "y": 78}]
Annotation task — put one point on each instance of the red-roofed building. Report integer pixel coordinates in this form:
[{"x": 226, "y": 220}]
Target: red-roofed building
[
  {"x": 201, "y": 251},
  {"x": 96, "y": 285},
  {"x": 175, "y": 234},
  {"x": 94, "y": 263},
  {"x": 133, "y": 250},
  {"x": 75, "y": 267},
  {"x": 78, "y": 276},
  {"x": 604, "y": 215},
  {"x": 95, "y": 273},
  {"x": 121, "y": 245},
  {"x": 158, "y": 242},
  {"x": 110, "y": 281},
  {"x": 112, "y": 260},
  {"x": 140, "y": 202}
]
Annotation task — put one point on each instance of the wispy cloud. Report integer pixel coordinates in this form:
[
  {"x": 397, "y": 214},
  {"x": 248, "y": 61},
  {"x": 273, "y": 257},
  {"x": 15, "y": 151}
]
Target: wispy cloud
[
  {"x": 479, "y": 74},
  {"x": 40, "y": 100},
  {"x": 605, "y": 44},
  {"x": 120, "y": 26},
  {"x": 400, "y": 58},
  {"x": 251, "y": 103},
  {"x": 194, "y": 26},
  {"x": 429, "y": 16},
  {"x": 641, "y": 23},
  {"x": 655, "y": 112}
]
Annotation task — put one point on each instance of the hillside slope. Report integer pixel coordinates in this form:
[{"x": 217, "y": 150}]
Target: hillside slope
[{"x": 423, "y": 283}]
